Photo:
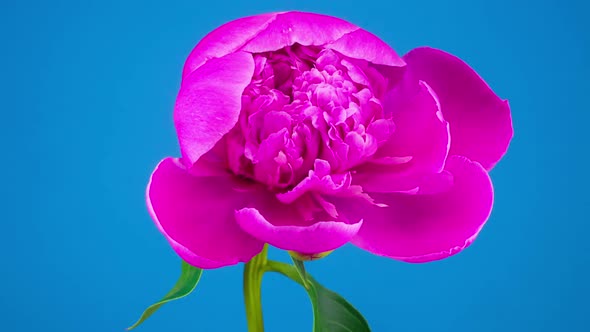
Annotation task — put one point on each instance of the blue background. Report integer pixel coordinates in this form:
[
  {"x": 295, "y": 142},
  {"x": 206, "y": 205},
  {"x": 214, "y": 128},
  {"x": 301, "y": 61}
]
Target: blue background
[{"x": 87, "y": 90}]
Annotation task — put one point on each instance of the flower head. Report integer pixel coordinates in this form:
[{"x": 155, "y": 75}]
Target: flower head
[{"x": 306, "y": 132}]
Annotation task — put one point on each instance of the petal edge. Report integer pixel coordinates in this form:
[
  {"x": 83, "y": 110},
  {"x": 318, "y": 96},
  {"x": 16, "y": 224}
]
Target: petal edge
[
  {"x": 480, "y": 122},
  {"x": 209, "y": 103},
  {"x": 182, "y": 212},
  {"x": 426, "y": 227}
]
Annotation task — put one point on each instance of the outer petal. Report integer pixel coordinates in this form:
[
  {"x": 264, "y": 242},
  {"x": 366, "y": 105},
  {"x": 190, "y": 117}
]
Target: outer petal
[
  {"x": 226, "y": 39},
  {"x": 418, "y": 147},
  {"x": 361, "y": 44},
  {"x": 209, "y": 103},
  {"x": 272, "y": 31},
  {"x": 295, "y": 227},
  {"x": 196, "y": 215},
  {"x": 297, "y": 27},
  {"x": 422, "y": 228},
  {"x": 315, "y": 29},
  {"x": 481, "y": 126}
]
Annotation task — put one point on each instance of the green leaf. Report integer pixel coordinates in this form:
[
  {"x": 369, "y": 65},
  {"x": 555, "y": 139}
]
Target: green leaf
[
  {"x": 300, "y": 267},
  {"x": 331, "y": 312},
  {"x": 189, "y": 277}
]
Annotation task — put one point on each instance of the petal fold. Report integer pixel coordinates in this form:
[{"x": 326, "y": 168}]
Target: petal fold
[
  {"x": 481, "y": 125},
  {"x": 196, "y": 215},
  {"x": 226, "y": 39},
  {"x": 301, "y": 226},
  {"x": 426, "y": 227}
]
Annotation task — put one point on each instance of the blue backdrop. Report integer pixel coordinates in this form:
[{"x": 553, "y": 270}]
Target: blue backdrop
[{"x": 87, "y": 94}]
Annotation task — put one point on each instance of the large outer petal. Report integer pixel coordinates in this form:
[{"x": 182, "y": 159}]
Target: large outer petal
[
  {"x": 209, "y": 103},
  {"x": 421, "y": 134},
  {"x": 196, "y": 215},
  {"x": 226, "y": 39},
  {"x": 289, "y": 227},
  {"x": 481, "y": 126},
  {"x": 422, "y": 228},
  {"x": 272, "y": 31}
]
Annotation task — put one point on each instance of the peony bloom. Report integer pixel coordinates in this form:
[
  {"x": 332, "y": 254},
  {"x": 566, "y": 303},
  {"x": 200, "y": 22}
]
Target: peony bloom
[{"x": 306, "y": 132}]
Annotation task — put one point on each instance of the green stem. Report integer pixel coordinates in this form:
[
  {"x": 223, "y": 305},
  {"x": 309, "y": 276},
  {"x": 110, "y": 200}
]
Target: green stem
[
  {"x": 253, "y": 272},
  {"x": 287, "y": 270}
]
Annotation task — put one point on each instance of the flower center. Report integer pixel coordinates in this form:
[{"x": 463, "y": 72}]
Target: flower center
[{"x": 306, "y": 103}]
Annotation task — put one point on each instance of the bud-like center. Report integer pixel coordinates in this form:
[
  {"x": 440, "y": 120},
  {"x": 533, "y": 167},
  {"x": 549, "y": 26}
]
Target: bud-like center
[{"x": 306, "y": 103}]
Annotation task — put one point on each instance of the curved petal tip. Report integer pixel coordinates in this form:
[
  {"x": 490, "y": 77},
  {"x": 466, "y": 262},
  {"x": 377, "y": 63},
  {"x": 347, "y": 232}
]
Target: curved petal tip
[{"x": 480, "y": 122}]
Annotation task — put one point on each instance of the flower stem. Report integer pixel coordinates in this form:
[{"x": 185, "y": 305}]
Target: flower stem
[
  {"x": 253, "y": 272},
  {"x": 285, "y": 269}
]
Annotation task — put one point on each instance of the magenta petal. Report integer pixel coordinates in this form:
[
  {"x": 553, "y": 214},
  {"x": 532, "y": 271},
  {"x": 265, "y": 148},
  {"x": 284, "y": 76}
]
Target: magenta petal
[
  {"x": 287, "y": 227},
  {"x": 196, "y": 215},
  {"x": 209, "y": 103},
  {"x": 422, "y": 228},
  {"x": 481, "y": 126},
  {"x": 361, "y": 44},
  {"x": 419, "y": 146},
  {"x": 297, "y": 27},
  {"x": 226, "y": 39}
]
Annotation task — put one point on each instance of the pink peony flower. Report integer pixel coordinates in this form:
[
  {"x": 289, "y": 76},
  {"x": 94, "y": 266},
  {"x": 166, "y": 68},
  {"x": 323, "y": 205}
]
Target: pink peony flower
[{"x": 306, "y": 132}]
